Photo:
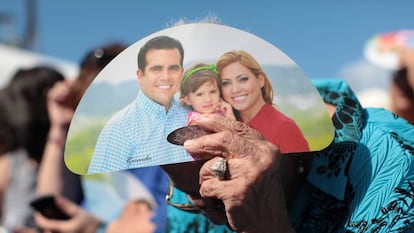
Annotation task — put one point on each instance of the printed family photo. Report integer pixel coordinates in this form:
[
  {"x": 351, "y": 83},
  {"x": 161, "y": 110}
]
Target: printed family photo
[{"x": 171, "y": 78}]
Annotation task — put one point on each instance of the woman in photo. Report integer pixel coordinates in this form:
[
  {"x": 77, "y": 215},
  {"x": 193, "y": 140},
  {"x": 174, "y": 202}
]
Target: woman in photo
[{"x": 246, "y": 87}]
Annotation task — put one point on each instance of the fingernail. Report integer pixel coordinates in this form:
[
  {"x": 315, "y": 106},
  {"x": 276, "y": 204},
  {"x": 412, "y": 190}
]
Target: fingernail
[{"x": 188, "y": 144}]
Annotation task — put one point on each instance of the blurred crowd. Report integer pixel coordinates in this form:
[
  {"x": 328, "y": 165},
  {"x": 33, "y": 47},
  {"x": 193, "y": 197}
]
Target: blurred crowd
[{"x": 36, "y": 108}]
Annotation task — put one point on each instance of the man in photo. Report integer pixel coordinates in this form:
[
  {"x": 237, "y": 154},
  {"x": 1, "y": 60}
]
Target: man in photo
[{"x": 136, "y": 135}]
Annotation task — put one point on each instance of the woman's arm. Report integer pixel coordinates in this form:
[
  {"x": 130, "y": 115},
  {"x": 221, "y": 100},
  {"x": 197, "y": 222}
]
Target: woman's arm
[{"x": 54, "y": 177}]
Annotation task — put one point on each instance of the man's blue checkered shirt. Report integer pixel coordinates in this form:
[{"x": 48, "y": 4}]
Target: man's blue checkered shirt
[{"x": 136, "y": 136}]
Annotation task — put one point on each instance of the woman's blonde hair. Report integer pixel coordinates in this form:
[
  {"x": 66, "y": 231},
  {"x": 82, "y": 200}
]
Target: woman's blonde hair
[{"x": 249, "y": 62}]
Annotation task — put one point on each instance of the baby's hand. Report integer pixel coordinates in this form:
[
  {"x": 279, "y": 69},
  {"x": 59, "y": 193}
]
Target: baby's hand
[{"x": 226, "y": 109}]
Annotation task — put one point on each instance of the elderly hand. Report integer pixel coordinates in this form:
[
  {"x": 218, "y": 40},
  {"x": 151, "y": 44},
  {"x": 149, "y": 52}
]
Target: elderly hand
[
  {"x": 251, "y": 190},
  {"x": 80, "y": 221}
]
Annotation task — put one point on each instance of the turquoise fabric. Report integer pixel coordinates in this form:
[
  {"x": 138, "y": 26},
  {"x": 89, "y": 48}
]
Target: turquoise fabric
[
  {"x": 362, "y": 182},
  {"x": 181, "y": 221},
  {"x": 136, "y": 137}
]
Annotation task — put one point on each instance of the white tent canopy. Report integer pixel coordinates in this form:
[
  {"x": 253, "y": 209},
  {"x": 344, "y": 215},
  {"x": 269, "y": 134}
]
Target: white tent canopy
[{"x": 12, "y": 58}]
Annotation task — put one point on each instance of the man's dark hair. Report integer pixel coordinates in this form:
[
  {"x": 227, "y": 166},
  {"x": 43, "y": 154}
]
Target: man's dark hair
[{"x": 159, "y": 42}]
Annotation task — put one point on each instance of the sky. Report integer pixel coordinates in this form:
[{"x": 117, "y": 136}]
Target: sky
[{"x": 325, "y": 38}]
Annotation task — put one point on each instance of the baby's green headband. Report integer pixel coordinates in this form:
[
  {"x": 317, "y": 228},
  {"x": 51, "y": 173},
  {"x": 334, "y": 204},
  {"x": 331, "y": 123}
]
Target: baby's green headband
[{"x": 211, "y": 67}]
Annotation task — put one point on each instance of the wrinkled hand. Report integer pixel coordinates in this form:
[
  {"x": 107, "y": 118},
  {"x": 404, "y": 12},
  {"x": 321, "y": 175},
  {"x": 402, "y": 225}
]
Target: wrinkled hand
[
  {"x": 252, "y": 191},
  {"x": 80, "y": 221}
]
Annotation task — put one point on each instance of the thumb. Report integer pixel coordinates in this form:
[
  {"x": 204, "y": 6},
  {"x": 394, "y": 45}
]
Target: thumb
[{"x": 67, "y": 206}]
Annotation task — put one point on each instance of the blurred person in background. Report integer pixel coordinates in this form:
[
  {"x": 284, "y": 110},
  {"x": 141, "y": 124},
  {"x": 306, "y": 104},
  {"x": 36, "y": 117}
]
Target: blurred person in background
[
  {"x": 55, "y": 178},
  {"x": 402, "y": 87},
  {"x": 24, "y": 126}
]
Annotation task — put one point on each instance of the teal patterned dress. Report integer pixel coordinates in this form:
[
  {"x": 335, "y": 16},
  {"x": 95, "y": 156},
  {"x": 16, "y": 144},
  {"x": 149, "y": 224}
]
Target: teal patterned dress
[{"x": 362, "y": 182}]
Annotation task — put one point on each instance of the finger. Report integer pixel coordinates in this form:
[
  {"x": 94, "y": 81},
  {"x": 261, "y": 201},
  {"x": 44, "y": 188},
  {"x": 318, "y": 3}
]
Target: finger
[
  {"x": 215, "y": 188},
  {"x": 212, "y": 208},
  {"x": 58, "y": 92},
  {"x": 215, "y": 211},
  {"x": 225, "y": 144},
  {"x": 210, "y": 185},
  {"x": 218, "y": 123},
  {"x": 47, "y": 224},
  {"x": 70, "y": 82},
  {"x": 67, "y": 206},
  {"x": 206, "y": 172}
]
